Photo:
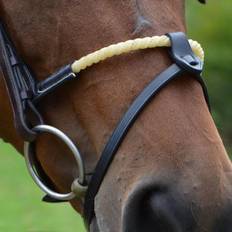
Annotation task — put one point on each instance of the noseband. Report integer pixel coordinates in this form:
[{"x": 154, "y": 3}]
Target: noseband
[{"x": 25, "y": 92}]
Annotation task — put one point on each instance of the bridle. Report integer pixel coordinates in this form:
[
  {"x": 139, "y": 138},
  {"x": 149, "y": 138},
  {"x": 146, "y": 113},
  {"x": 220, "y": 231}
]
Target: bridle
[{"x": 25, "y": 92}]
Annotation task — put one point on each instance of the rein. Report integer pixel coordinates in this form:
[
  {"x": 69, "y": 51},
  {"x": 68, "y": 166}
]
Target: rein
[{"x": 25, "y": 92}]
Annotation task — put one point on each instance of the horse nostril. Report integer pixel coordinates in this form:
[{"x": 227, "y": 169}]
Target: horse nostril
[
  {"x": 224, "y": 222},
  {"x": 160, "y": 211}
]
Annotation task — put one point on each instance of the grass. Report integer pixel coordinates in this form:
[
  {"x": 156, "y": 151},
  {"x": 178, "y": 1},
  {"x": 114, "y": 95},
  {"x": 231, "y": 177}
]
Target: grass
[{"x": 21, "y": 209}]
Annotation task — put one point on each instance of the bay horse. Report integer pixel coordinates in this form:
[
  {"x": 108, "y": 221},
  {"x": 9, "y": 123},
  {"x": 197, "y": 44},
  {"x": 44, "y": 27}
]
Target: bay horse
[{"x": 171, "y": 172}]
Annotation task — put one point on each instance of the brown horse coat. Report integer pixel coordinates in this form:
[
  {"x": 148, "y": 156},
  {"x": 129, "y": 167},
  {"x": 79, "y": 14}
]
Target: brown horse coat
[{"x": 174, "y": 145}]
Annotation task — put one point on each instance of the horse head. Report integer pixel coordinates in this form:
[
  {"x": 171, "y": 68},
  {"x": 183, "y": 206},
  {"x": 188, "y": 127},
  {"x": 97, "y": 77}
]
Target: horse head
[{"x": 171, "y": 172}]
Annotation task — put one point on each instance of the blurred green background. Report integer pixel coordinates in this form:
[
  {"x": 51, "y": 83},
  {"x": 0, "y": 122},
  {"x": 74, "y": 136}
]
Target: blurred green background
[
  {"x": 211, "y": 25},
  {"x": 21, "y": 209}
]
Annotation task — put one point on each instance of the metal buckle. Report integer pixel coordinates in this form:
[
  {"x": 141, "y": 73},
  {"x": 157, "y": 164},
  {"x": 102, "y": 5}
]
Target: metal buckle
[
  {"x": 78, "y": 187},
  {"x": 46, "y": 86}
]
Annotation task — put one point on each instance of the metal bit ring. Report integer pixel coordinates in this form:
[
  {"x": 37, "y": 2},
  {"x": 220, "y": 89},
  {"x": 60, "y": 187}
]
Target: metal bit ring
[{"x": 28, "y": 152}]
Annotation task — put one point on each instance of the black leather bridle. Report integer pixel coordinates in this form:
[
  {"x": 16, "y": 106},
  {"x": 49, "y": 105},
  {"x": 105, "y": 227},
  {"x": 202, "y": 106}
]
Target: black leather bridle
[
  {"x": 25, "y": 92},
  {"x": 184, "y": 61}
]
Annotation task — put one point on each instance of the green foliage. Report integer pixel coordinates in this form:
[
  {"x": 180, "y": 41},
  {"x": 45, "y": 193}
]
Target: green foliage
[
  {"x": 20, "y": 200},
  {"x": 210, "y": 25}
]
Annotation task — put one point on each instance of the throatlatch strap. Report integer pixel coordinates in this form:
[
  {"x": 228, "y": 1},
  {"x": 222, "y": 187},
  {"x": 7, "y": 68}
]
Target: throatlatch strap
[{"x": 185, "y": 61}]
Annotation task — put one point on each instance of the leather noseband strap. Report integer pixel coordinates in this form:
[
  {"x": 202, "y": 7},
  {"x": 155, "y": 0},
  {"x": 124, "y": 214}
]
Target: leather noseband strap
[
  {"x": 23, "y": 89},
  {"x": 24, "y": 93},
  {"x": 184, "y": 61}
]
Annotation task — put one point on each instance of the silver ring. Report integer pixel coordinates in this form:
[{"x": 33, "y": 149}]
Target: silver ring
[{"x": 31, "y": 166}]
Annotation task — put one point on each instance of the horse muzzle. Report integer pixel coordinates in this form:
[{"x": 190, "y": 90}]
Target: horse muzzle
[
  {"x": 163, "y": 208},
  {"x": 157, "y": 209}
]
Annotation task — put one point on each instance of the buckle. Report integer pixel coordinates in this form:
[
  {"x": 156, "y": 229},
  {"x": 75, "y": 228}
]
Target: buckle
[
  {"x": 53, "y": 81},
  {"x": 182, "y": 54}
]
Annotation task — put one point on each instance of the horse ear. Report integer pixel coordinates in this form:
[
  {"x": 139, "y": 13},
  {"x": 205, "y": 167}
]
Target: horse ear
[{"x": 202, "y": 1}]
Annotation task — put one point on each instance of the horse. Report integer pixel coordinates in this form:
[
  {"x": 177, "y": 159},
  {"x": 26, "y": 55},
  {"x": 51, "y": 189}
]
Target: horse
[{"x": 172, "y": 172}]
